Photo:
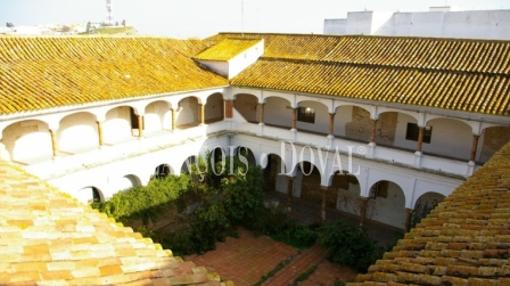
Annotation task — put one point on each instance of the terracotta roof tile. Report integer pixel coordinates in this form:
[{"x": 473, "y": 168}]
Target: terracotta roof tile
[
  {"x": 463, "y": 241},
  {"x": 45, "y": 72},
  {"x": 49, "y": 238},
  {"x": 226, "y": 49}
]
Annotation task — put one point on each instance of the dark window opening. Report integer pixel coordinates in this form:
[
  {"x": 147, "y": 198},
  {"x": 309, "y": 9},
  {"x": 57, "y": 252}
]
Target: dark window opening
[
  {"x": 134, "y": 119},
  {"x": 413, "y": 132},
  {"x": 306, "y": 114},
  {"x": 380, "y": 190}
]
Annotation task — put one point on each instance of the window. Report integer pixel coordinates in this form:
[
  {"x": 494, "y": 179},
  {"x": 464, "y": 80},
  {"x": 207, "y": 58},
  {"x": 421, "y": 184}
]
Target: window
[
  {"x": 380, "y": 190},
  {"x": 413, "y": 132},
  {"x": 306, "y": 114}
]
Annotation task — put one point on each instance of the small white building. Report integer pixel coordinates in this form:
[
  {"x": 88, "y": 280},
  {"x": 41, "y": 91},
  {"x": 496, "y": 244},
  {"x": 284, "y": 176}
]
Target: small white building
[{"x": 438, "y": 22}]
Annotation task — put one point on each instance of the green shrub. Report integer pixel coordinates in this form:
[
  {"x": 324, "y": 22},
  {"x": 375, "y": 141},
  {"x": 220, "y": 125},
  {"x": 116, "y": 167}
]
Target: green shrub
[
  {"x": 349, "y": 245},
  {"x": 144, "y": 201}
]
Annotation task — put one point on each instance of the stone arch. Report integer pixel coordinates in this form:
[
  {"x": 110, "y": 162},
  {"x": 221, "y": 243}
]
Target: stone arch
[
  {"x": 126, "y": 182},
  {"x": 493, "y": 138},
  {"x": 319, "y": 116},
  {"x": 247, "y": 153},
  {"x": 344, "y": 193},
  {"x": 278, "y": 112},
  {"x": 247, "y": 105},
  {"x": 90, "y": 194},
  {"x": 78, "y": 132},
  {"x": 214, "y": 108},
  {"x": 353, "y": 122},
  {"x": 28, "y": 141},
  {"x": 162, "y": 171},
  {"x": 157, "y": 116},
  {"x": 119, "y": 124},
  {"x": 188, "y": 113},
  {"x": 449, "y": 138},
  {"x": 391, "y": 129},
  {"x": 188, "y": 163},
  {"x": 274, "y": 173},
  {"x": 307, "y": 182},
  {"x": 424, "y": 205},
  {"x": 387, "y": 204}
]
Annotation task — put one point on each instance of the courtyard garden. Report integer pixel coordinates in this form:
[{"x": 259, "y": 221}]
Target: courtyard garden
[{"x": 220, "y": 219}]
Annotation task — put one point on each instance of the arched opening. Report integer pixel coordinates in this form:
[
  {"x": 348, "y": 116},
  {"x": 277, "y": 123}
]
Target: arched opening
[
  {"x": 120, "y": 125},
  {"x": 392, "y": 129},
  {"x": 247, "y": 105},
  {"x": 424, "y": 205},
  {"x": 90, "y": 195},
  {"x": 273, "y": 180},
  {"x": 353, "y": 122},
  {"x": 28, "y": 141},
  {"x": 246, "y": 153},
  {"x": 214, "y": 108},
  {"x": 449, "y": 138},
  {"x": 493, "y": 138},
  {"x": 78, "y": 133},
  {"x": 162, "y": 171},
  {"x": 127, "y": 182},
  {"x": 387, "y": 204},
  {"x": 307, "y": 183},
  {"x": 278, "y": 112},
  {"x": 187, "y": 165},
  {"x": 188, "y": 114},
  {"x": 344, "y": 194},
  {"x": 157, "y": 117},
  {"x": 313, "y": 117}
]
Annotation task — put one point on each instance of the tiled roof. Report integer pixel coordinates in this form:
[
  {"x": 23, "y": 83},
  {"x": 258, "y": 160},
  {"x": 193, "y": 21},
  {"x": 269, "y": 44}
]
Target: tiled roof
[
  {"x": 463, "y": 75},
  {"x": 226, "y": 49},
  {"x": 44, "y": 72},
  {"x": 49, "y": 238},
  {"x": 465, "y": 240}
]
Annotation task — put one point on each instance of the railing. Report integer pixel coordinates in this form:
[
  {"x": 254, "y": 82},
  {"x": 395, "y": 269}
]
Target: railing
[{"x": 165, "y": 139}]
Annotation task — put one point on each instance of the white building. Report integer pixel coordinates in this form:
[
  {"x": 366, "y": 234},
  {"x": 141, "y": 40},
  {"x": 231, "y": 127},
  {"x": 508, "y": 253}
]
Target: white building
[
  {"x": 438, "y": 22},
  {"x": 105, "y": 114}
]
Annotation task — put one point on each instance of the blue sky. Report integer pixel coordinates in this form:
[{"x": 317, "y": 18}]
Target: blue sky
[{"x": 200, "y": 18}]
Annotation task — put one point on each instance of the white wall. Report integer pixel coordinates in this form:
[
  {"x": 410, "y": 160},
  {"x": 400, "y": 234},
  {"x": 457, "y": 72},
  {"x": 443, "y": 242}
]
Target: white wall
[
  {"x": 214, "y": 107},
  {"x": 28, "y": 141},
  {"x": 188, "y": 112},
  {"x": 78, "y": 133},
  {"x": 158, "y": 116},
  {"x": 117, "y": 126},
  {"x": 389, "y": 210},
  {"x": 349, "y": 200},
  {"x": 321, "y": 124},
  {"x": 481, "y": 24},
  {"x": 277, "y": 111},
  {"x": 450, "y": 137}
]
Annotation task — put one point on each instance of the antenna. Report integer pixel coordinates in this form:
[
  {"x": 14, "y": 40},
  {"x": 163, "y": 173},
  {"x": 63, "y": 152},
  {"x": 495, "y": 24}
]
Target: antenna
[{"x": 109, "y": 18}]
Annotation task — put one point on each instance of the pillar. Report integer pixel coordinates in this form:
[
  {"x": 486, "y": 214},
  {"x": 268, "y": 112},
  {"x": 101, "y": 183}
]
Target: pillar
[
  {"x": 290, "y": 189},
  {"x": 54, "y": 143},
  {"x": 419, "y": 143},
  {"x": 294, "y": 119},
  {"x": 409, "y": 216},
  {"x": 332, "y": 124},
  {"x": 474, "y": 148},
  {"x": 140, "y": 126},
  {"x": 324, "y": 191},
  {"x": 228, "y": 105},
  {"x": 100, "y": 133},
  {"x": 261, "y": 113},
  {"x": 174, "y": 119},
  {"x": 363, "y": 210},
  {"x": 374, "y": 131},
  {"x": 202, "y": 113}
]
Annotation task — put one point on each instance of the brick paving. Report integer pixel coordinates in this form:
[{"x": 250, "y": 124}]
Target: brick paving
[
  {"x": 298, "y": 265},
  {"x": 327, "y": 273},
  {"x": 246, "y": 259}
]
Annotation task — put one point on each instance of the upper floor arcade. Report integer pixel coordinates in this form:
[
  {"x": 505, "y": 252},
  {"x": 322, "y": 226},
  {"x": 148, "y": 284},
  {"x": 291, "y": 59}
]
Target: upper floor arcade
[{"x": 433, "y": 141}]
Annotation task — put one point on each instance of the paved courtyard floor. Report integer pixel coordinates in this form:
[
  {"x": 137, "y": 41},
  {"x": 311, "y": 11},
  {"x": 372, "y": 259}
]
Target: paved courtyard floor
[{"x": 245, "y": 260}]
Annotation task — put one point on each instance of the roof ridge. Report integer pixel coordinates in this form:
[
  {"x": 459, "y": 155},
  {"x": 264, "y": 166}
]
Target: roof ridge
[{"x": 402, "y": 67}]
